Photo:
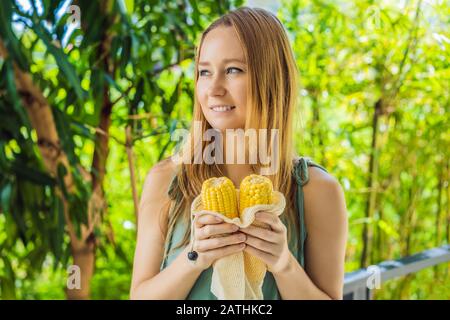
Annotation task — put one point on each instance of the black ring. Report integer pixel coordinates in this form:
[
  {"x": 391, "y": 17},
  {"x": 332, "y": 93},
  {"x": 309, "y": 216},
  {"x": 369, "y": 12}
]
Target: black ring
[{"x": 192, "y": 255}]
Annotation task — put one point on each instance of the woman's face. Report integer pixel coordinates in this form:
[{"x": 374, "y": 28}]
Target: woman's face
[{"x": 222, "y": 79}]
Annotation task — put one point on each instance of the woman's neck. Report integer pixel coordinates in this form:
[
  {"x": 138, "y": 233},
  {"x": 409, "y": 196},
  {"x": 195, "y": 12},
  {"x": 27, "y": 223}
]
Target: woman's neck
[{"x": 237, "y": 172}]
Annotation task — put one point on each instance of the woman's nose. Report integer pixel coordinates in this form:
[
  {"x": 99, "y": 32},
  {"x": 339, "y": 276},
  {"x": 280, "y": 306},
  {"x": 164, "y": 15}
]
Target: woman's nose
[{"x": 216, "y": 88}]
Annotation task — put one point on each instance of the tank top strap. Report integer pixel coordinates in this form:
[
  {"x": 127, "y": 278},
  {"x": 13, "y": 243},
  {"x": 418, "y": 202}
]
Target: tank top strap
[
  {"x": 301, "y": 175},
  {"x": 172, "y": 185},
  {"x": 301, "y": 170}
]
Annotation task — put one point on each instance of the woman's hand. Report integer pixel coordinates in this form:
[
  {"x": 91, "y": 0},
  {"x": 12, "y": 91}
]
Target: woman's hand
[
  {"x": 270, "y": 245},
  {"x": 215, "y": 239}
]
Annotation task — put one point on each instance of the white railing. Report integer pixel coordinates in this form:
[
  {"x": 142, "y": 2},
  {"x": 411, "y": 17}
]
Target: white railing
[{"x": 358, "y": 285}]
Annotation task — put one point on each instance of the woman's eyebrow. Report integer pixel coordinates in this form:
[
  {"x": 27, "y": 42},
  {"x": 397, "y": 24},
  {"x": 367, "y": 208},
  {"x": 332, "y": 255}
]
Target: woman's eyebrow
[{"x": 206, "y": 63}]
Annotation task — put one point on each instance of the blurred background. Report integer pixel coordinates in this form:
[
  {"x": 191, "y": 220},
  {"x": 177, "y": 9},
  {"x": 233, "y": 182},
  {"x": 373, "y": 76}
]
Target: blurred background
[{"x": 90, "y": 92}]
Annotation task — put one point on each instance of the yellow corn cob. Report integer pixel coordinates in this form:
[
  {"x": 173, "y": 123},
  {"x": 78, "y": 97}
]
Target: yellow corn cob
[
  {"x": 255, "y": 189},
  {"x": 219, "y": 195}
]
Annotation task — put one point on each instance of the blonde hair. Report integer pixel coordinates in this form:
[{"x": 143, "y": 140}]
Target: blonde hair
[{"x": 272, "y": 96}]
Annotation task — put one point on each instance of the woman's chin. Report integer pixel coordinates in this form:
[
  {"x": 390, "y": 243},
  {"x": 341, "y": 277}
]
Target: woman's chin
[{"x": 223, "y": 126}]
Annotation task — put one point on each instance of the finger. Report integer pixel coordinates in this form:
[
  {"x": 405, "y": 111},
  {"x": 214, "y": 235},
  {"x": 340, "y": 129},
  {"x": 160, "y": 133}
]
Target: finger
[
  {"x": 207, "y": 219},
  {"x": 265, "y": 257},
  {"x": 261, "y": 233},
  {"x": 214, "y": 243},
  {"x": 262, "y": 245},
  {"x": 271, "y": 219},
  {"x": 225, "y": 251},
  {"x": 216, "y": 229}
]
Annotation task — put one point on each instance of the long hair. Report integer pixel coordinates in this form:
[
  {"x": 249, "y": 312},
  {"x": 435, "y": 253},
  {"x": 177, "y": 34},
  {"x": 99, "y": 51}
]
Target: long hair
[{"x": 272, "y": 97}]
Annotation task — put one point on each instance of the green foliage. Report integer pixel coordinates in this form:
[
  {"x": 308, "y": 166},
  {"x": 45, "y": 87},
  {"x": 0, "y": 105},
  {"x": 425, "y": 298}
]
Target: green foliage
[
  {"x": 359, "y": 58},
  {"x": 126, "y": 53}
]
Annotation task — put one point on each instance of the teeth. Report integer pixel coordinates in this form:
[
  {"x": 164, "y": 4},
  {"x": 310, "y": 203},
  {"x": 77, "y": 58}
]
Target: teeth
[{"x": 222, "y": 108}]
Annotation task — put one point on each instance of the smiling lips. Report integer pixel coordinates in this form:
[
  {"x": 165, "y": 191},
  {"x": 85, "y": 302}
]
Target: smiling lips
[{"x": 222, "y": 108}]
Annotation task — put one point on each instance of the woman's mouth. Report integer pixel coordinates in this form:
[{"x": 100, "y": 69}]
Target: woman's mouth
[{"x": 222, "y": 108}]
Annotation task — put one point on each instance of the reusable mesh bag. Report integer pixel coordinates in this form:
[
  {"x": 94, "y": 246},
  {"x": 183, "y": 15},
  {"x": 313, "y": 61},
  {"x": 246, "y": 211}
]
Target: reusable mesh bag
[{"x": 239, "y": 276}]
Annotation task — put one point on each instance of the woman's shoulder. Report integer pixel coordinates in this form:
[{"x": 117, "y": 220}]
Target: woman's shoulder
[
  {"x": 163, "y": 171},
  {"x": 158, "y": 181},
  {"x": 163, "y": 167},
  {"x": 320, "y": 178},
  {"x": 324, "y": 197}
]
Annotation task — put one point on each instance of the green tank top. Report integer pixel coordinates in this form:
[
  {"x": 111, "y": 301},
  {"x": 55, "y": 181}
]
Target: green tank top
[{"x": 202, "y": 287}]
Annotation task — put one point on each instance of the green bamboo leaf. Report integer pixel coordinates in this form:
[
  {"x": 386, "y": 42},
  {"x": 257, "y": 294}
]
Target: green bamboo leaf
[
  {"x": 18, "y": 213},
  {"x": 94, "y": 21},
  {"x": 8, "y": 74},
  {"x": 10, "y": 40},
  {"x": 61, "y": 173},
  {"x": 50, "y": 9},
  {"x": 168, "y": 106},
  {"x": 65, "y": 135},
  {"x": 80, "y": 129},
  {"x": 388, "y": 229},
  {"x": 6, "y": 197},
  {"x": 113, "y": 83},
  {"x": 57, "y": 234},
  {"x": 97, "y": 83},
  {"x": 137, "y": 96},
  {"x": 31, "y": 174},
  {"x": 122, "y": 255},
  {"x": 8, "y": 281},
  {"x": 126, "y": 54},
  {"x": 36, "y": 257},
  {"x": 62, "y": 61},
  {"x": 163, "y": 150},
  {"x": 130, "y": 6}
]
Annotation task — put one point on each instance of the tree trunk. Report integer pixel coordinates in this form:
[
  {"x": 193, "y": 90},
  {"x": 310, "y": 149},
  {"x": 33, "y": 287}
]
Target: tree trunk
[
  {"x": 440, "y": 185},
  {"x": 446, "y": 183},
  {"x": 371, "y": 183},
  {"x": 41, "y": 119},
  {"x": 131, "y": 165},
  {"x": 316, "y": 131}
]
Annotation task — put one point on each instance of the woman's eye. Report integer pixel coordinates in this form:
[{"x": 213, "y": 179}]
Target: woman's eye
[
  {"x": 233, "y": 70},
  {"x": 202, "y": 72}
]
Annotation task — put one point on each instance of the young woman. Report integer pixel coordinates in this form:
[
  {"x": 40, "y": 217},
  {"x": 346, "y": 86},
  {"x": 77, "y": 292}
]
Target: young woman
[{"x": 246, "y": 78}]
